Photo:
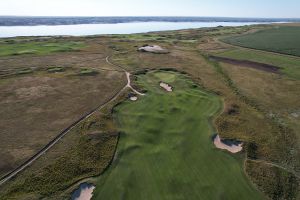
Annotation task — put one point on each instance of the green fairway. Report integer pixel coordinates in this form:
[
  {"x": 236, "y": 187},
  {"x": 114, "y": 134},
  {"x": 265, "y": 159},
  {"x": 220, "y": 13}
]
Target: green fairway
[
  {"x": 38, "y": 48},
  {"x": 284, "y": 40},
  {"x": 165, "y": 149},
  {"x": 290, "y": 66}
]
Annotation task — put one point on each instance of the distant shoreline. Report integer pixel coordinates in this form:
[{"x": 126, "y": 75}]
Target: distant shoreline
[{"x": 37, "y": 21}]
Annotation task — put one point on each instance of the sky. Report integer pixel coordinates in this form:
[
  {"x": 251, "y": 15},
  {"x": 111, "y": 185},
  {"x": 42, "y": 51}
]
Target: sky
[{"x": 211, "y": 8}]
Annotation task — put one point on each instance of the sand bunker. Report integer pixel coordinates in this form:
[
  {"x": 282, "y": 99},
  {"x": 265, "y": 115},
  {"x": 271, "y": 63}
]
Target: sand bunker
[
  {"x": 166, "y": 86},
  {"x": 84, "y": 192},
  {"x": 295, "y": 115},
  {"x": 229, "y": 145},
  {"x": 153, "y": 49},
  {"x": 133, "y": 98}
]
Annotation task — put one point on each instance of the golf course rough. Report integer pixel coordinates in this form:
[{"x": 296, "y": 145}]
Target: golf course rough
[{"x": 165, "y": 149}]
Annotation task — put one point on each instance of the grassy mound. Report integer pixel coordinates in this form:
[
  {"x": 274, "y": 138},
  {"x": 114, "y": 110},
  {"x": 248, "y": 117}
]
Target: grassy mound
[
  {"x": 24, "y": 71},
  {"x": 87, "y": 72},
  {"x": 55, "y": 69},
  {"x": 165, "y": 149}
]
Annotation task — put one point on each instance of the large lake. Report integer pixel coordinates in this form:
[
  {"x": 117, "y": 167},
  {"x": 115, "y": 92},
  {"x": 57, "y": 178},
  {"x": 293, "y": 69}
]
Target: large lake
[{"x": 99, "y": 29}]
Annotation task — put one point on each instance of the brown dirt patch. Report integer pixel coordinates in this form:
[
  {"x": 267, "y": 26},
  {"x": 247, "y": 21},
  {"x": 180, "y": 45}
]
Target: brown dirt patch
[{"x": 250, "y": 64}]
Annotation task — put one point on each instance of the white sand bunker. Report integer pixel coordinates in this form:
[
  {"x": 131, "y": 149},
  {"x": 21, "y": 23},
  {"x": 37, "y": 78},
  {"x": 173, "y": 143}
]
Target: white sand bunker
[
  {"x": 229, "y": 145},
  {"x": 153, "y": 49},
  {"x": 295, "y": 115},
  {"x": 166, "y": 86},
  {"x": 133, "y": 98},
  {"x": 86, "y": 193}
]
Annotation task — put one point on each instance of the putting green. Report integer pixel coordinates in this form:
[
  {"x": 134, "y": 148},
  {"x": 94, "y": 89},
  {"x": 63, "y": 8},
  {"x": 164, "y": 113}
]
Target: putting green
[{"x": 165, "y": 149}]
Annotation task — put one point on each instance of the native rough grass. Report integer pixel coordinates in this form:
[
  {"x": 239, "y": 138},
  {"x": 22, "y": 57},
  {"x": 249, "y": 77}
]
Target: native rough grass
[{"x": 38, "y": 100}]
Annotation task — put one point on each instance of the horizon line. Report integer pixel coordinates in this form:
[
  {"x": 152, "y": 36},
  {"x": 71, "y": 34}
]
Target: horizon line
[{"x": 35, "y": 16}]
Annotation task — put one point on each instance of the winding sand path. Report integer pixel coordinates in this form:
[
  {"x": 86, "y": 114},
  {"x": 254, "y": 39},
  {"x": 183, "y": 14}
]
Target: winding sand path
[
  {"x": 19, "y": 169},
  {"x": 127, "y": 76},
  {"x": 129, "y": 85}
]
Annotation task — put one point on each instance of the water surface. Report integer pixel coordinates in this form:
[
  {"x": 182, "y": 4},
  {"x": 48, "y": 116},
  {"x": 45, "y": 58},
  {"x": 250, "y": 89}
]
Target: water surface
[{"x": 100, "y": 29}]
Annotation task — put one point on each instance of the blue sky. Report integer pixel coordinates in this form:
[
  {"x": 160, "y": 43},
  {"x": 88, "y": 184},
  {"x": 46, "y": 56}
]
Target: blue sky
[{"x": 222, "y": 8}]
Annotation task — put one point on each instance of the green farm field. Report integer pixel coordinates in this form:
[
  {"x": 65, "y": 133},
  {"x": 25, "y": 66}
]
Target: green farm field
[
  {"x": 165, "y": 149},
  {"x": 289, "y": 65},
  {"x": 280, "y": 39}
]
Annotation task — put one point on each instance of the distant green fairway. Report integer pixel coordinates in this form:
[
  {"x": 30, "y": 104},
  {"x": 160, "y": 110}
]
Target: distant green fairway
[
  {"x": 38, "y": 48},
  {"x": 165, "y": 149},
  {"x": 284, "y": 40}
]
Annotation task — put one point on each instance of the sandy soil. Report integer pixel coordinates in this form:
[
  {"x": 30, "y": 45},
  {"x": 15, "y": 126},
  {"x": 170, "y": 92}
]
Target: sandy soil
[
  {"x": 167, "y": 87},
  {"x": 233, "y": 148}
]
